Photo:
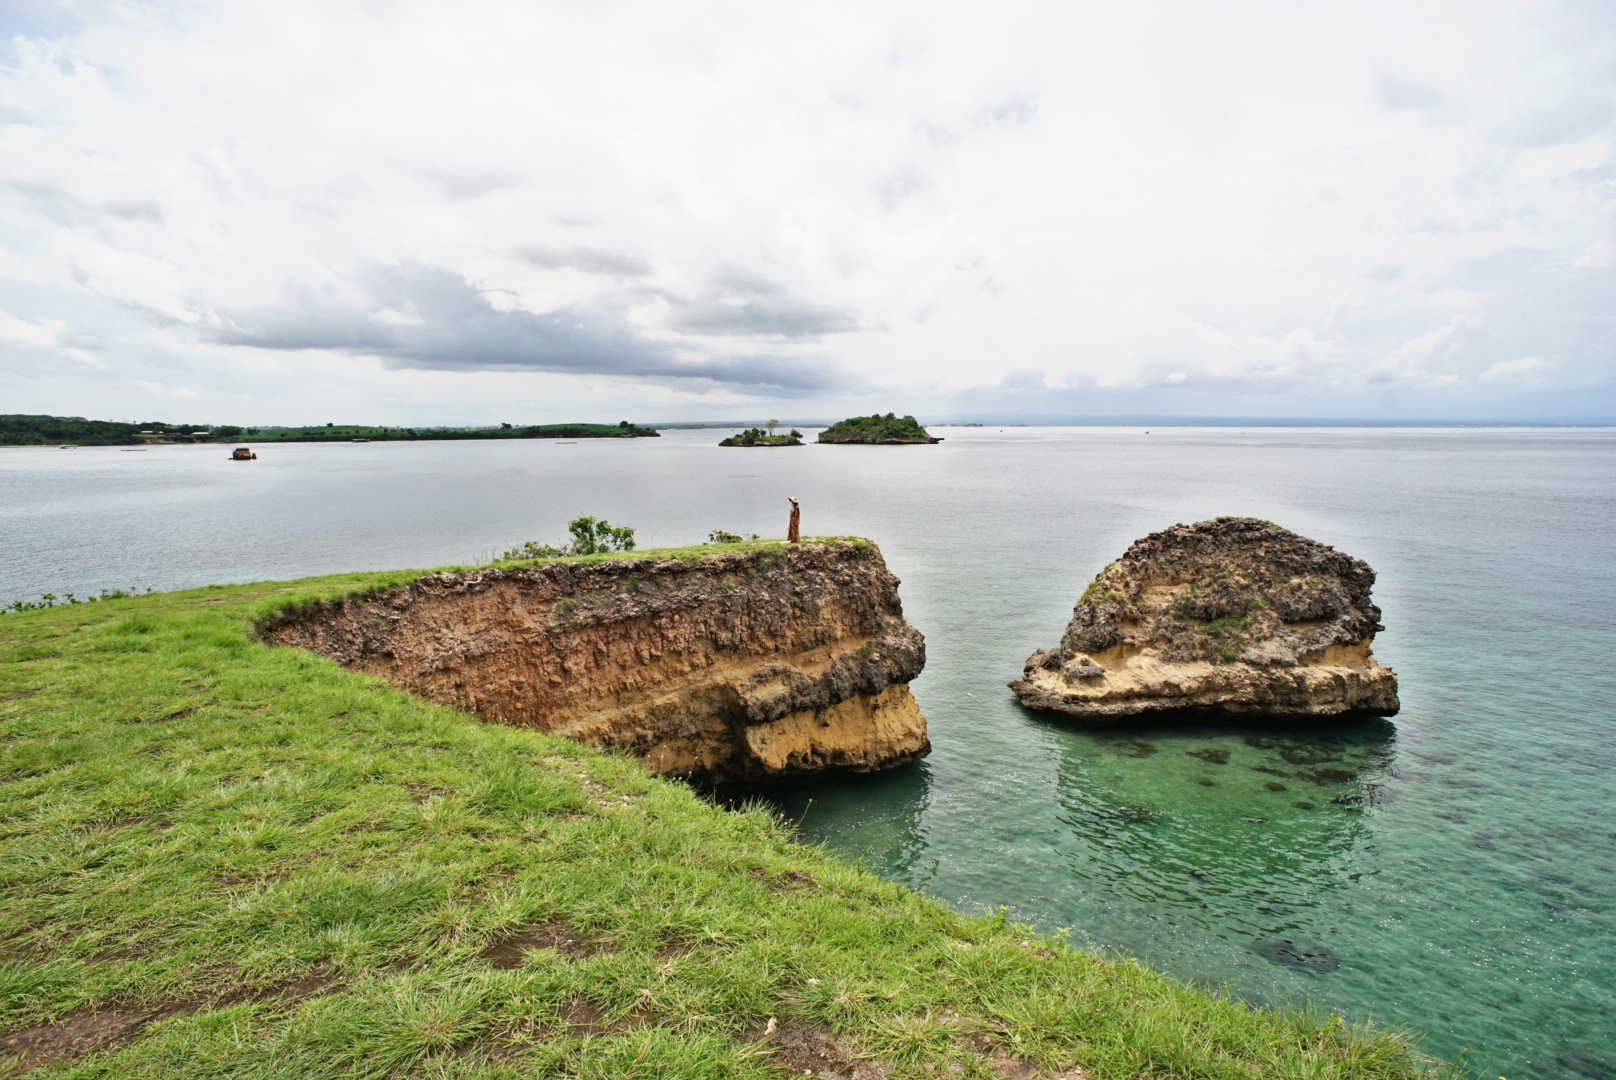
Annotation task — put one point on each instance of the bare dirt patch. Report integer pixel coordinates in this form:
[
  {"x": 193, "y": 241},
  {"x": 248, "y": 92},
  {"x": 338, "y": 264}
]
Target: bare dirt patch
[
  {"x": 1014, "y": 1068},
  {"x": 88, "y": 1030},
  {"x": 511, "y": 950},
  {"x": 310, "y": 986},
  {"x": 800, "y": 1048},
  {"x": 790, "y": 881},
  {"x": 81, "y": 1032},
  {"x": 586, "y": 1018}
]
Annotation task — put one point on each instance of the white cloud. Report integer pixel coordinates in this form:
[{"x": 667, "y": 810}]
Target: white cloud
[
  {"x": 629, "y": 206},
  {"x": 21, "y": 334},
  {"x": 1526, "y": 369},
  {"x": 1596, "y": 255}
]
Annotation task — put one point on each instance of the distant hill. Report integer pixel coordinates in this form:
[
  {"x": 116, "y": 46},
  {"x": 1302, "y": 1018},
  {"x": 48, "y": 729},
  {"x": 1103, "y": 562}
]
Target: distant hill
[
  {"x": 23, "y": 430},
  {"x": 347, "y": 432},
  {"x": 20, "y": 430},
  {"x": 877, "y": 429}
]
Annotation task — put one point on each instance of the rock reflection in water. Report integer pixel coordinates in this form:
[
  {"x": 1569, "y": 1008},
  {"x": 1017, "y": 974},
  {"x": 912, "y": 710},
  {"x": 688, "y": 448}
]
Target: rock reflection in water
[
  {"x": 1221, "y": 829},
  {"x": 878, "y": 818}
]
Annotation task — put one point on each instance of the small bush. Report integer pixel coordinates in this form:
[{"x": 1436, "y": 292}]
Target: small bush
[
  {"x": 532, "y": 550},
  {"x": 596, "y": 536},
  {"x": 590, "y": 536},
  {"x": 50, "y": 600}
]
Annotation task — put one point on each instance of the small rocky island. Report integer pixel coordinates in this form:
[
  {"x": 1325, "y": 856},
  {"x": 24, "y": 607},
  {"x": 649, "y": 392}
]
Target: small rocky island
[
  {"x": 1233, "y": 616},
  {"x": 758, "y": 437},
  {"x": 886, "y": 430}
]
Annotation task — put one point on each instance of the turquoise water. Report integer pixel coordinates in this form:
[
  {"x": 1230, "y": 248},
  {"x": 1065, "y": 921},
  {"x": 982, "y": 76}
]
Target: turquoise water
[{"x": 1458, "y": 861}]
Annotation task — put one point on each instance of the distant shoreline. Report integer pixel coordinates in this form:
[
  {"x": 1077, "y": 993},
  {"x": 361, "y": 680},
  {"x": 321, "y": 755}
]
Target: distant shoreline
[
  {"x": 1174, "y": 422},
  {"x": 39, "y": 430}
]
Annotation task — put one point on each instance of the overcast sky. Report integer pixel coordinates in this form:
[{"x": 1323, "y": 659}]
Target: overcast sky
[{"x": 427, "y": 212}]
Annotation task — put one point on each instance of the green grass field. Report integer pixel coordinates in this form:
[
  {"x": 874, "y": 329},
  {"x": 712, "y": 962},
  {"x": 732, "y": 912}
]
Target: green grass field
[{"x": 219, "y": 858}]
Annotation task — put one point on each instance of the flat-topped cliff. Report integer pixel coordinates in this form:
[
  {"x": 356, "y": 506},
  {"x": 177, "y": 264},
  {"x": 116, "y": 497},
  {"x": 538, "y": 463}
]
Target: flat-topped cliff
[
  {"x": 729, "y": 667},
  {"x": 1232, "y": 615}
]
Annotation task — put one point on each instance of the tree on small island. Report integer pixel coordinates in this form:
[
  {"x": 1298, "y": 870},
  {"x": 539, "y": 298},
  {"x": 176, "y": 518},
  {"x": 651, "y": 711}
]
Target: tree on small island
[
  {"x": 877, "y": 429},
  {"x": 758, "y": 437}
]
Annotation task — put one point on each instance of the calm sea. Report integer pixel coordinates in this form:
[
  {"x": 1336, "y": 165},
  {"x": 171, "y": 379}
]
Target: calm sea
[{"x": 1465, "y": 877}]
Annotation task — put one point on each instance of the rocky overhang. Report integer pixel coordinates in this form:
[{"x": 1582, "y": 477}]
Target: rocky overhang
[{"x": 735, "y": 667}]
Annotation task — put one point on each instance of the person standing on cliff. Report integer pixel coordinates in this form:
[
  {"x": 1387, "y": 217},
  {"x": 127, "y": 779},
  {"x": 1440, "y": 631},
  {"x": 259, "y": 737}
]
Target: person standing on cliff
[{"x": 796, "y": 519}]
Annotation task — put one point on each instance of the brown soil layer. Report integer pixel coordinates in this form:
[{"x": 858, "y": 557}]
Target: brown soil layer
[{"x": 726, "y": 668}]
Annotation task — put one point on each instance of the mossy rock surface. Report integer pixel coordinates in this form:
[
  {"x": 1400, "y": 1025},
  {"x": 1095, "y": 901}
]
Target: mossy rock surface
[
  {"x": 1217, "y": 589},
  {"x": 1234, "y": 616}
]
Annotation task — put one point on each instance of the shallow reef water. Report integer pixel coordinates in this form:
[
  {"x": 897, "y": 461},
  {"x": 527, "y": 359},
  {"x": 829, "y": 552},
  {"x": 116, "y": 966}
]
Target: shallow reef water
[{"x": 1452, "y": 869}]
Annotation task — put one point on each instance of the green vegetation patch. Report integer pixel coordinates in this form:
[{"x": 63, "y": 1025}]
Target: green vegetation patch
[
  {"x": 759, "y": 437},
  {"x": 1099, "y": 590},
  {"x": 1224, "y": 636},
  {"x": 219, "y": 858},
  {"x": 24, "y": 430},
  {"x": 547, "y": 552},
  {"x": 590, "y": 536},
  {"x": 877, "y": 429}
]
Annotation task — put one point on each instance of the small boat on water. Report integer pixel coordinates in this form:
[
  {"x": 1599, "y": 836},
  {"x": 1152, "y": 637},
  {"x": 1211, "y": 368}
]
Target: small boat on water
[
  {"x": 243, "y": 453},
  {"x": 361, "y": 440}
]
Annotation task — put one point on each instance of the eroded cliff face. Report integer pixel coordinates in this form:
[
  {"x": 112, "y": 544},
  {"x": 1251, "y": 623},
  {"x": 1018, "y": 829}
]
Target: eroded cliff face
[
  {"x": 725, "y": 668},
  {"x": 1232, "y": 615}
]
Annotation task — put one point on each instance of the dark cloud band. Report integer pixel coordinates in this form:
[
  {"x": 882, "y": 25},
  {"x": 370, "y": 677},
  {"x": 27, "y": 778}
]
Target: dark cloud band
[{"x": 421, "y": 317}]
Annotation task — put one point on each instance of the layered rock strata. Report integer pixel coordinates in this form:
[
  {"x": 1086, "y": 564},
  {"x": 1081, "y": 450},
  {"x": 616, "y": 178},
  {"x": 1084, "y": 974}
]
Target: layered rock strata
[
  {"x": 1232, "y": 616},
  {"x": 724, "y": 668}
]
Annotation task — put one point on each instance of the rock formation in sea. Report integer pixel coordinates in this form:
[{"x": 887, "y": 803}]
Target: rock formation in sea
[
  {"x": 887, "y": 430},
  {"x": 1233, "y": 616},
  {"x": 726, "y": 668}
]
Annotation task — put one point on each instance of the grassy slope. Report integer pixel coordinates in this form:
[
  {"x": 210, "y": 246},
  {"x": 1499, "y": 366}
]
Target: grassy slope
[{"x": 288, "y": 870}]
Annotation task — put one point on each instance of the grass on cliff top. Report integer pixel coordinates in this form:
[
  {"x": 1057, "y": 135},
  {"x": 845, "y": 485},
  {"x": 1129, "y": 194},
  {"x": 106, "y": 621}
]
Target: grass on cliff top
[
  {"x": 683, "y": 554},
  {"x": 222, "y": 859}
]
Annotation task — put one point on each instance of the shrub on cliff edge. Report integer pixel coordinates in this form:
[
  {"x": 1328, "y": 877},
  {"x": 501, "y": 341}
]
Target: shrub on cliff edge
[{"x": 590, "y": 536}]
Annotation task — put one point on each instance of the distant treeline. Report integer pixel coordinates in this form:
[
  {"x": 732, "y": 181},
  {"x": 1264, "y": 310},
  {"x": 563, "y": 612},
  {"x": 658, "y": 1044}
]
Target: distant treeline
[
  {"x": 18, "y": 430},
  {"x": 39, "y": 430}
]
